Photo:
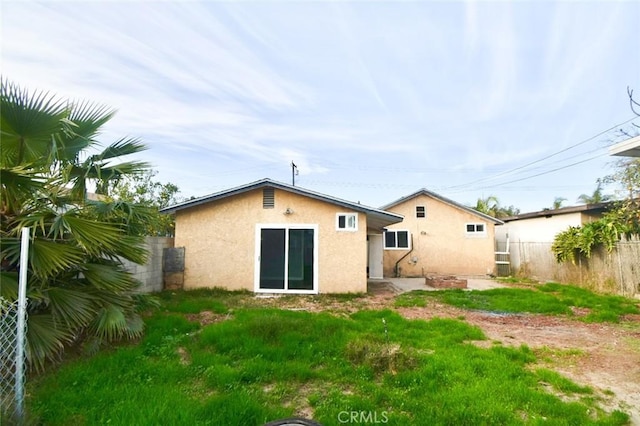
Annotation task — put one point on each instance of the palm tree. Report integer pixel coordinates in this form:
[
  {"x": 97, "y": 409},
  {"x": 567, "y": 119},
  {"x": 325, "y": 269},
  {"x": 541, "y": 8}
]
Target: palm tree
[
  {"x": 77, "y": 287},
  {"x": 557, "y": 202},
  {"x": 596, "y": 197},
  {"x": 491, "y": 206},
  {"x": 488, "y": 205}
]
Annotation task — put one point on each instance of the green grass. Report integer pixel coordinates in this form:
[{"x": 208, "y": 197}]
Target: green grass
[
  {"x": 262, "y": 364},
  {"x": 550, "y": 299}
]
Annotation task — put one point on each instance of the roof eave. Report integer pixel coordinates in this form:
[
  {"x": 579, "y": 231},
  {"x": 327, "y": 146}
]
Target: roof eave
[{"x": 381, "y": 215}]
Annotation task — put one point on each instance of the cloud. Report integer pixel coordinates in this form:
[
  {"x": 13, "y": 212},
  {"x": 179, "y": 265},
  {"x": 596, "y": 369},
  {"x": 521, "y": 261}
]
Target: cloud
[{"x": 393, "y": 93}]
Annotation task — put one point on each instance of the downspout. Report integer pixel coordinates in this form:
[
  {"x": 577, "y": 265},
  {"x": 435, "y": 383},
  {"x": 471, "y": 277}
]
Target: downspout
[{"x": 395, "y": 268}]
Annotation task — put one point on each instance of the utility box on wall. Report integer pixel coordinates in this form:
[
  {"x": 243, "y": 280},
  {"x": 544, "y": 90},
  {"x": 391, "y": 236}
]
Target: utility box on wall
[{"x": 173, "y": 268}]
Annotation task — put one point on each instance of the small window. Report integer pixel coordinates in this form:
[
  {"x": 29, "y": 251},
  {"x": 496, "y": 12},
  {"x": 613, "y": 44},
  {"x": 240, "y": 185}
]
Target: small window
[
  {"x": 347, "y": 221},
  {"x": 421, "y": 211},
  {"x": 475, "y": 229},
  {"x": 396, "y": 240},
  {"x": 268, "y": 198}
]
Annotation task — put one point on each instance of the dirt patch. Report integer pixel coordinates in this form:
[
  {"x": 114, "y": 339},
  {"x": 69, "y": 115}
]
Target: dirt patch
[
  {"x": 185, "y": 358},
  {"x": 603, "y": 356},
  {"x": 207, "y": 317},
  {"x": 606, "y": 356}
]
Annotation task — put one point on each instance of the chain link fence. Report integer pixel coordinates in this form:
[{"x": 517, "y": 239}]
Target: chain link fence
[{"x": 11, "y": 376}]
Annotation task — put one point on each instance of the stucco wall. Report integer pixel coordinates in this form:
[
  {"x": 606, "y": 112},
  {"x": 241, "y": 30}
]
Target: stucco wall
[
  {"x": 537, "y": 230},
  {"x": 220, "y": 241},
  {"x": 440, "y": 244}
]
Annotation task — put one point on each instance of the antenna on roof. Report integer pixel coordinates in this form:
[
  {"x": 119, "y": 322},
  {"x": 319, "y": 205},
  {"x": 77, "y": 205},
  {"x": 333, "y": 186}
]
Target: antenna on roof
[{"x": 294, "y": 173}]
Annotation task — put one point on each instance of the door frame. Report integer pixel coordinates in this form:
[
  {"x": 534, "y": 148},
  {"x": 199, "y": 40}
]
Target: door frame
[
  {"x": 286, "y": 227},
  {"x": 375, "y": 249}
]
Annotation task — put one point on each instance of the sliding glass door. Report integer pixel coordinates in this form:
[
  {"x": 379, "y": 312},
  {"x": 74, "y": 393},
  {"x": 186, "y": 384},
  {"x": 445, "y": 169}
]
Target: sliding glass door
[{"x": 286, "y": 258}]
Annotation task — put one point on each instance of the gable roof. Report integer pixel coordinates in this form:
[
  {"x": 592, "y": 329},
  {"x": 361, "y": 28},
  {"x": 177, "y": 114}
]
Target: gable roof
[
  {"x": 445, "y": 200},
  {"x": 596, "y": 208},
  {"x": 376, "y": 218}
]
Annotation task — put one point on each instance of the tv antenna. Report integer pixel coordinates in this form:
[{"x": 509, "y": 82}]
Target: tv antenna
[{"x": 294, "y": 173}]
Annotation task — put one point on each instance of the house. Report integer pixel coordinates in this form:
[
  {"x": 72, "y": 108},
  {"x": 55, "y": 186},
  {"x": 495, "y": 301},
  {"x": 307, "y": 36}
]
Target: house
[
  {"x": 542, "y": 226},
  {"x": 527, "y": 232},
  {"x": 628, "y": 148},
  {"x": 437, "y": 236},
  {"x": 271, "y": 237}
]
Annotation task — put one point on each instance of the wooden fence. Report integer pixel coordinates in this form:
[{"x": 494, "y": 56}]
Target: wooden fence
[{"x": 616, "y": 272}]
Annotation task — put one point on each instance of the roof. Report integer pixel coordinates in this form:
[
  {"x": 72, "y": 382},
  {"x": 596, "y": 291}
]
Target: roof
[
  {"x": 445, "y": 200},
  {"x": 596, "y": 208},
  {"x": 628, "y": 148},
  {"x": 376, "y": 218}
]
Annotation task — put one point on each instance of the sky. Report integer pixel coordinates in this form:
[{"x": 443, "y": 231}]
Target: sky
[{"x": 372, "y": 100}]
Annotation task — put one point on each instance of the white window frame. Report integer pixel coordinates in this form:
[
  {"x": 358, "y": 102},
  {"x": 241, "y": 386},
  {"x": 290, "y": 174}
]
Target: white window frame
[
  {"x": 286, "y": 227},
  {"x": 475, "y": 232},
  {"x": 424, "y": 208},
  {"x": 384, "y": 239},
  {"x": 346, "y": 216}
]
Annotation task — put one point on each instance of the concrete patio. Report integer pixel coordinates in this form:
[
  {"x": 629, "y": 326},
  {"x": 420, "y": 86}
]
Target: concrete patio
[{"x": 403, "y": 285}]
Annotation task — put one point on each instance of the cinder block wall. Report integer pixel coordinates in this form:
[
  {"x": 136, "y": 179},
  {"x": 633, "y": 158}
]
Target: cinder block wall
[{"x": 150, "y": 274}]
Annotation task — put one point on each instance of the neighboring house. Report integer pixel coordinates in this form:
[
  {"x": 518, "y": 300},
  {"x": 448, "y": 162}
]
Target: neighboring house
[
  {"x": 541, "y": 227},
  {"x": 628, "y": 148},
  {"x": 271, "y": 237},
  {"x": 438, "y": 236}
]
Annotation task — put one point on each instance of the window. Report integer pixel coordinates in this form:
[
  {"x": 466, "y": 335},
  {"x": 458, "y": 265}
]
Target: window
[
  {"x": 268, "y": 198},
  {"x": 421, "y": 211},
  {"x": 475, "y": 229},
  {"x": 396, "y": 240},
  {"x": 347, "y": 222}
]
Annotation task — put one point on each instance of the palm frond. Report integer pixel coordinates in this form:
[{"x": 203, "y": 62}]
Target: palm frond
[
  {"x": 110, "y": 323},
  {"x": 72, "y": 307},
  {"x": 9, "y": 287},
  {"x": 45, "y": 339},
  {"x": 28, "y": 122},
  {"x": 94, "y": 237},
  {"x": 89, "y": 116},
  {"x": 83, "y": 124},
  {"x": 132, "y": 248},
  {"x": 116, "y": 171},
  {"x": 122, "y": 147},
  {"x": 17, "y": 183},
  {"x": 108, "y": 277},
  {"x": 48, "y": 257}
]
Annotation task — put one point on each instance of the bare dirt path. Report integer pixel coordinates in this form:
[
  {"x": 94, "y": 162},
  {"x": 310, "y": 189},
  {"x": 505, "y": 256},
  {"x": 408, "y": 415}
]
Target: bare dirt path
[{"x": 605, "y": 356}]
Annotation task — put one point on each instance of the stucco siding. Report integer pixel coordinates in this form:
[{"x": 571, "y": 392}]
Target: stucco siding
[
  {"x": 540, "y": 229},
  {"x": 440, "y": 243},
  {"x": 220, "y": 241}
]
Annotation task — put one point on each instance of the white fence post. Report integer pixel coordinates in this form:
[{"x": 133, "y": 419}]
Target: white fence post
[{"x": 21, "y": 331}]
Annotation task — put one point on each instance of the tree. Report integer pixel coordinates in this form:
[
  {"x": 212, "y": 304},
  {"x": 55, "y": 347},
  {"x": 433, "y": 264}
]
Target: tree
[
  {"x": 627, "y": 178},
  {"x": 77, "y": 287},
  {"x": 622, "y": 219},
  {"x": 491, "y": 206},
  {"x": 596, "y": 197},
  {"x": 557, "y": 202},
  {"x": 143, "y": 190},
  {"x": 488, "y": 205}
]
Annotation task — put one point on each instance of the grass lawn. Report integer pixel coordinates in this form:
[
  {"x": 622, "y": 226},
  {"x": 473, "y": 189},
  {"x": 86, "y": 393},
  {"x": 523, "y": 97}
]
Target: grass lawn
[
  {"x": 550, "y": 299},
  {"x": 252, "y": 364}
]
